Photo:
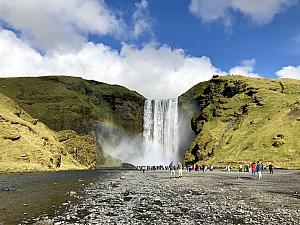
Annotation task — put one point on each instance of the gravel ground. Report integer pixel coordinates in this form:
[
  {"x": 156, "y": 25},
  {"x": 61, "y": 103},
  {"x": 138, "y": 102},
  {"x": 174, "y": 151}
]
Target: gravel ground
[{"x": 198, "y": 198}]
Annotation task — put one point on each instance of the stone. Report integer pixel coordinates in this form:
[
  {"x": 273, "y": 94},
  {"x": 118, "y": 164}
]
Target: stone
[
  {"x": 72, "y": 193},
  {"x": 127, "y": 198}
]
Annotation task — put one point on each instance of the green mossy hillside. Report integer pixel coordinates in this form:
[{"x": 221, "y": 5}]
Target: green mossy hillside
[
  {"x": 239, "y": 120},
  {"x": 28, "y": 145},
  {"x": 72, "y": 103}
]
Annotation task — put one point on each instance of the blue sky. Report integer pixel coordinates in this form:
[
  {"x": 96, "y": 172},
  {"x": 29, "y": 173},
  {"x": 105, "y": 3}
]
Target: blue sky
[
  {"x": 272, "y": 45},
  {"x": 159, "y": 48}
]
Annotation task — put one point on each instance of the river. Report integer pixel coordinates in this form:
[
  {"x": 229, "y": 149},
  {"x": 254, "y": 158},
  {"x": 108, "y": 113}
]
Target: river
[{"x": 25, "y": 196}]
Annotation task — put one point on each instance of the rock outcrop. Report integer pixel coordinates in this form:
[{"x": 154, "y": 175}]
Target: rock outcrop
[{"x": 239, "y": 120}]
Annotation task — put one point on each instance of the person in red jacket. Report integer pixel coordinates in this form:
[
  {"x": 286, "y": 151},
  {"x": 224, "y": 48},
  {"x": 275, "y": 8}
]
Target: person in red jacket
[{"x": 253, "y": 168}]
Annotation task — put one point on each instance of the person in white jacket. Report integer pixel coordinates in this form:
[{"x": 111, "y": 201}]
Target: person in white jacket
[{"x": 179, "y": 166}]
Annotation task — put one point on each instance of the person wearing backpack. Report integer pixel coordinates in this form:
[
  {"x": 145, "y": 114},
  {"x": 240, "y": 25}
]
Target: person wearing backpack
[{"x": 259, "y": 169}]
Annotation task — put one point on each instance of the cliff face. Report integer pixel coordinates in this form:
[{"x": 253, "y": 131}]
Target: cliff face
[
  {"x": 28, "y": 145},
  {"x": 240, "y": 120},
  {"x": 72, "y": 103}
]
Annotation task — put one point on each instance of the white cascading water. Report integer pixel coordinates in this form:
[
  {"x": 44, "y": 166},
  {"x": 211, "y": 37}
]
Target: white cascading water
[{"x": 161, "y": 130}]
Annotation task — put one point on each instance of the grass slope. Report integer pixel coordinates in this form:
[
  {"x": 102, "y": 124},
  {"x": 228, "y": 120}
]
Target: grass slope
[
  {"x": 28, "y": 145},
  {"x": 240, "y": 120}
]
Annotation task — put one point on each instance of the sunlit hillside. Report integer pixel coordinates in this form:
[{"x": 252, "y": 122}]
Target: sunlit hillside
[{"x": 240, "y": 120}]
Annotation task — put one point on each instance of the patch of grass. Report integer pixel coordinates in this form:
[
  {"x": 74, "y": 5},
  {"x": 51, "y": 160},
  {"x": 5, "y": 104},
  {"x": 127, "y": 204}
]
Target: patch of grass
[{"x": 28, "y": 145}]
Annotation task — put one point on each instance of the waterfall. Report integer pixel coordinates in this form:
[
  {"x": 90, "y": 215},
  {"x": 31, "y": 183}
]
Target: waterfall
[{"x": 161, "y": 130}]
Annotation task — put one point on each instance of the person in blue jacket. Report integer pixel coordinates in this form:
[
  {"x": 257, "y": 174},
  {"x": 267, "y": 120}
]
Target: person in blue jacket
[{"x": 259, "y": 169}]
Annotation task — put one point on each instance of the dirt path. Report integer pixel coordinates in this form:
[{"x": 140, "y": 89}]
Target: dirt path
[{"x": 197, "y": 198}]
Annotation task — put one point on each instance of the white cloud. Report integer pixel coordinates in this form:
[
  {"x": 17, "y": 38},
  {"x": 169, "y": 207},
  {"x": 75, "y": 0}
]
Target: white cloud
[
  {"x": 245, "y": 69},
  {"x": 48, "y": 24},
  {"x": 156, "y": 72},
  {"x": 289, "y": 72},
  {"x": 142, "y": 20},
  {"x": 210, "y": 11},
  {"x": 60, "y": 30},
  {"x": 162, "y": 72},
  {"x": 260, "y": 12},
  {"x": 16, "y": 56}
]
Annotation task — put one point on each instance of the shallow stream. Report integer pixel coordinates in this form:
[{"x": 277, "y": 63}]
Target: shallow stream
[{"x": 25, "y": 196}]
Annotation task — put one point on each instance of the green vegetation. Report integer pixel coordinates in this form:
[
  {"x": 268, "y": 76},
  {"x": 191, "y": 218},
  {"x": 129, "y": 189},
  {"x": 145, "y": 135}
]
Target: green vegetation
[
  {"x": 235, "y": 119},
  {"x": 28, "y": 145},
  {"x": 68, "y": 106},
  {"x": 240, "y": 120},
  {"x": 72, "y": 103}
]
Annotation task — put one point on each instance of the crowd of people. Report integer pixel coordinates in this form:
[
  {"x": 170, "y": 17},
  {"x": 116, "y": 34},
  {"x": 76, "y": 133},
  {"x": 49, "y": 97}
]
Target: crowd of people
[
  {"x": 173, "y": 167},
  {"x": 254, "y": 168},
  {"x": 148, "y": 168}
]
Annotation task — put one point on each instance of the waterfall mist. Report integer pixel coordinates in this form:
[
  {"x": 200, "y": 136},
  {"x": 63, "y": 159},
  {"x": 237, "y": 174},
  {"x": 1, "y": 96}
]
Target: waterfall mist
[
  {"x": 166, "y": 136},
  {"x": 117, "y": 146},
  {"x": 185, "y": 133}
]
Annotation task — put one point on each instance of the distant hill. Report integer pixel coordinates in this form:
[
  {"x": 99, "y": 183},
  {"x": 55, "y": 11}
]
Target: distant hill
[
  {"x": 239, "y": 120},
  {"x": 72, "y": 103},
  {"x": 28, "y": 145}
]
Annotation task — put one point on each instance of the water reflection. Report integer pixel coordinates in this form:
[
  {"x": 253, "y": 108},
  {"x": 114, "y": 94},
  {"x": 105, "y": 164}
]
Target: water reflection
[{"x": 26, "y": 196}]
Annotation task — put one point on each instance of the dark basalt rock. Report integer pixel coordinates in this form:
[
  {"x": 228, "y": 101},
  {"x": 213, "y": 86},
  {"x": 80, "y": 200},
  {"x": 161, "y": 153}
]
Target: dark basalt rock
[
  {"x": 127, "y": 198},
  {"x": 278, "y": 141},
  {"x": 258, "y": 100},
  {"x": 231, "y": 90}
]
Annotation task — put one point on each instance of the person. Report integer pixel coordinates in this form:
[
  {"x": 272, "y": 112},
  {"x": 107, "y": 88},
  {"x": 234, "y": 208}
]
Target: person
[
  {"x": 246, "y": 168},
  {"x": 259, "y": 169},
  {"x": 253, "y": 169},
  {"x": 240, "y": 168},
  {"x": 172, "y": 168},
  {"x": 271, "y": 168},
  {"x": 190, "y": 168},
  {"x": 143, "y": 169},
  {"x": 179, "y": 169}
]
